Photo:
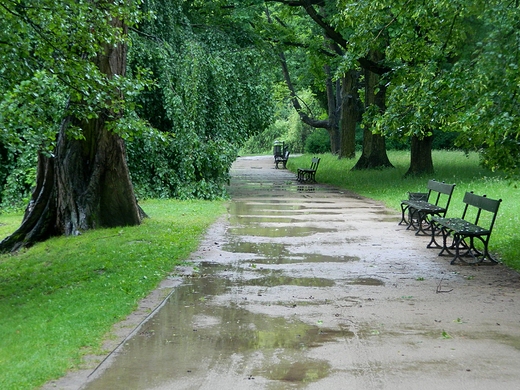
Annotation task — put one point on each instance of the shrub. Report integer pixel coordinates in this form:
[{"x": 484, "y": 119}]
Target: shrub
[{"x": 318, "y": 142}]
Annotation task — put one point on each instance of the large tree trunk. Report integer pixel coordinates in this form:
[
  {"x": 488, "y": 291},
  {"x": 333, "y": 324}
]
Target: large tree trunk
[
  {"x": 421, "y": 161},
  {"x": 374, "y": 145},
  {"x": 349, "y": 114},
  {"x": 86, "y": 184}
]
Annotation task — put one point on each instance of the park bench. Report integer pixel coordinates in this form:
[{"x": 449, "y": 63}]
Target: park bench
[
  {"x": 282, "y": 159},
  {"x": 474, "y": 227},
  {"x": 417, "y": 210},
  {"x": 308, "y": 175}
]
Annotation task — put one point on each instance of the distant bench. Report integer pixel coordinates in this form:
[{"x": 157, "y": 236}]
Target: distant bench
[
  {"x": 282, "y": 159},
  {"x": 416, "y": 212},
  {"x": 464, "y": 233},
  {"x": 308, "y": 174}
]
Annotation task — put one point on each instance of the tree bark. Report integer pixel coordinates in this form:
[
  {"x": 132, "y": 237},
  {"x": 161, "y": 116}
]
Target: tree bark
[
  {"x": 86, "y": 184},
  {"x": 374, "y": 145},
  {"x": 421, "y": 161},
  {"x": 349, "y": 114},
  {"x": 333, "y": 99}
]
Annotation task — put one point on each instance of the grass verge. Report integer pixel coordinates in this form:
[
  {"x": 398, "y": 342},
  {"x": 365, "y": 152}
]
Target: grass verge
[
  {"x": 390, "y": 186},
  {"x": 59, "y": 299}
]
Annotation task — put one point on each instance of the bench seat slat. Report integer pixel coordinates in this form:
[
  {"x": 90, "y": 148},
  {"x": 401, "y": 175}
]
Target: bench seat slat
[{"x": 459, "y": 225}]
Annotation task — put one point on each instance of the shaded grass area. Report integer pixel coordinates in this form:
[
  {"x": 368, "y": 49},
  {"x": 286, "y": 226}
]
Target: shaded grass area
[
  {"x": 59, "y": 299},
  {"x": 390, "y": 186}
]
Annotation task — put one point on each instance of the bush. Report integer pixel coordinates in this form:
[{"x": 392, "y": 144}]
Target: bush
[{"x": 318, "y": 142}]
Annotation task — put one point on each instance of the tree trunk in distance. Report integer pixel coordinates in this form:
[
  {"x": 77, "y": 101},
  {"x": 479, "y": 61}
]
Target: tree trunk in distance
[
  {"x": 349, "y": 115},
  {"x": 86, "y": 184},
  {"x": 333, "y": 113},
  {"x": 421, "y": 161},
  {"x": 374, "y": 145}
]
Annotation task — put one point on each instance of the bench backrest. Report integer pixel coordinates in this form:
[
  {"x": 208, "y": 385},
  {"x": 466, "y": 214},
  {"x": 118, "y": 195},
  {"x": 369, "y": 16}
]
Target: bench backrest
[
  {"x": 314, "y": 163},
  {"x": 481, "y": 203},
  {"x": 439, "y": 193}
]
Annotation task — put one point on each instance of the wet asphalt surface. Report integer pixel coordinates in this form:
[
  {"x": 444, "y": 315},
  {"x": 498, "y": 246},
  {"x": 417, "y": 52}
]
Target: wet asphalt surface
[{"x": 311, "y": 287}]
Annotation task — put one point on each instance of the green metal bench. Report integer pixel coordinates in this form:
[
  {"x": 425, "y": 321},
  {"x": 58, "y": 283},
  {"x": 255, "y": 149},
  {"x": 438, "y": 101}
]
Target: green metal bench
[
  {"x": 282, "y": 159},
  {"x": 465, "y": 234},
  {"x": 416, "y": 212},
  {"x": 308, "y": 175}
]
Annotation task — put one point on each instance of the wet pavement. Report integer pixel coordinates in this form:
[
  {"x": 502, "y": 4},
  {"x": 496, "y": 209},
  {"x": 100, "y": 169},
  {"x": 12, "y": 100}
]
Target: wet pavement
[{"x": 311, "y": 287}]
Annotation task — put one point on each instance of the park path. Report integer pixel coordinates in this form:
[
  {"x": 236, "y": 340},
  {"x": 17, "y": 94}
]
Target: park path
[{"x": 311, "y": 287}]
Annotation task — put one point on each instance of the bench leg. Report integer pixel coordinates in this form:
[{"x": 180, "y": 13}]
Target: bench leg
[
  {"x": 404, "y": 209},
  {"x": 467, "y": 253},
  {"x": 436, "y": 231}
]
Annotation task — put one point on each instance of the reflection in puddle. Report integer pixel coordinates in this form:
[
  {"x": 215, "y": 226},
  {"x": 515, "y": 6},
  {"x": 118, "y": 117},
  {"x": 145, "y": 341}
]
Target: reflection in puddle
[
  {"x": 277, "y": 253},
  {"x": 306, "y": 258},
  {"x": 264, "y": 219},
  {"x": 271, "y": 209},
  {"x": 302, "y": 371},
  {"x": 191, "y": 334},
  {"x": 282, "y": 280},
  {"x": 287, "y": 231},
  {"x": 267, "y": 249}
]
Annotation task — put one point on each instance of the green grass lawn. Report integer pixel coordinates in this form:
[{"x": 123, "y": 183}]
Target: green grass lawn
[
  {"x": 59, "y": 299},
  {"x": 390, "y": 187}
]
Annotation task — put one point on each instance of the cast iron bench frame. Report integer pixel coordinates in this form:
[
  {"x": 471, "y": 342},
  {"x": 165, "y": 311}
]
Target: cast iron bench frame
[
  {"x": 465, "y": 233},
  {"x": 308, "y": 175},
  {"x": 436, "y": 203},
  {"x": 282, "y": 159}
]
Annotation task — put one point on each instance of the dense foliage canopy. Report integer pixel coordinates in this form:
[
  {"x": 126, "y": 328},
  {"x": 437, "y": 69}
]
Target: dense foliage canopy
[
  {"x": 454, "y": 67},
  {"x": 211, "y": 93}
]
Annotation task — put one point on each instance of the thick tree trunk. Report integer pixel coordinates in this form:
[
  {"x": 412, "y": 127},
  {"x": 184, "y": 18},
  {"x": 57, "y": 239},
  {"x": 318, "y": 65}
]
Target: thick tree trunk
[
  {"x": 421, "y": 161},
  {"x": 349, "y": 115},
  {"x": 86, "y": 184},
  {"x": 374, "y": 145}
]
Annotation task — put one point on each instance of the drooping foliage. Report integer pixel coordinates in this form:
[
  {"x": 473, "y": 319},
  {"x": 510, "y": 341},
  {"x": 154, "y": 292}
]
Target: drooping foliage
[{"x": 211, "y": 95}]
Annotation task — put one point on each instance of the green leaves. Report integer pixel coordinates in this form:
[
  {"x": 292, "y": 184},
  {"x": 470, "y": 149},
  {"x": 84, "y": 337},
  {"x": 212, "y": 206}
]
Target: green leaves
[
  {"x": 454, "y": 67},
  {"x": 210, "y": 95}
]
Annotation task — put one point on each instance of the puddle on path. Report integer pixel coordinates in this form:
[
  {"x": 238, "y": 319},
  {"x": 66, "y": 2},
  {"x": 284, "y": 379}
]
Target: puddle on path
[
  {"x": 199, "y": 333},
  {"x": 277, "y": 253},
  {"x": 282, "y": 280},
  {"x": 191, "y": 334},
  {"x": 282, "y": 231},
  {"x": 283, "y": 208}
]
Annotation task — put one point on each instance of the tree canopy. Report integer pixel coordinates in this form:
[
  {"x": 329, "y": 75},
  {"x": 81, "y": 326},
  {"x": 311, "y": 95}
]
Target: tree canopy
[{"x": 454, "y": 67}]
